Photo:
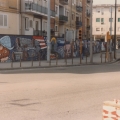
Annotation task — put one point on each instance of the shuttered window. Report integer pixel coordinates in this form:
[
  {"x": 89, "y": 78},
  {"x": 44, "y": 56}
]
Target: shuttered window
[
  {"x": 26, "y": 23},
  {"x": 3, "y": 20}
]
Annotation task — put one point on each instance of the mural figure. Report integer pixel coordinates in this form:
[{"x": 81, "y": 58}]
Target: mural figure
[{"x": 5, "y": 47}]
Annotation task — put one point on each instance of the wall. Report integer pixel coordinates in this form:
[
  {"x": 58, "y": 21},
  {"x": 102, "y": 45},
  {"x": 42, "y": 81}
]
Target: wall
[
  {"x": 12, "y": 24},
  {"x": 33, "y": 48}
]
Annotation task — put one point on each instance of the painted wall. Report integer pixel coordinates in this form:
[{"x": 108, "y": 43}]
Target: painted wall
[{"x": 16, "y": 47}]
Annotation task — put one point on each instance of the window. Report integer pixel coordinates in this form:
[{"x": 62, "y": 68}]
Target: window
[
  {"x": 102, "y": 20},
  {"x": 97, "y": 19},
  {"x": 110, "y": 29},
  {"x": 118, "y": 28},
  {"x": 98, "y": 10},
  {"x": 31, "y": 23},
  {"x": 118, "y": 19},
  {"x": 56, "y": 10},
  {"x": 3, "y": 20},
  {"x": 73, "y": 16},
  {"x": 26, "y": 23},
  {"x": 97, "y": 29},
  {"x": 102, "y": 29},
  {"x": 67, "y": 13},
  {"x": 56, "y": 28},
  {"x": 118, "y": 9},
  {"x": 110, "y": 19}
]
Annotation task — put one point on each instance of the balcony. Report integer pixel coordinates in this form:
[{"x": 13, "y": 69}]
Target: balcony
[
  {"x": 79, "y": 8},
  {"x": 63, "y": 18},
  {"x": 88, "y": 1},
  {"x": 88, "y": 14},
  {"x": 39, "y": 33},
  {"x": 64, "y": 2},
  {"x": 78, "y": 24},
  {"x": 88, "y": 27},
  {"x": 35, "y": 8}
]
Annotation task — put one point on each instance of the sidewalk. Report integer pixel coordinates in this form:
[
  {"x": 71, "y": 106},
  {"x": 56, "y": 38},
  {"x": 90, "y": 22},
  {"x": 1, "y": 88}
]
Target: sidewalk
[{"x": 61, "y": 62}]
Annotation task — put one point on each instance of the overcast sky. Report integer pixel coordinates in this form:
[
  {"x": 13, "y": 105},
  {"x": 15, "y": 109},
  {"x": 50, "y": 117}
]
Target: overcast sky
[{"x": 105, "y": 1}]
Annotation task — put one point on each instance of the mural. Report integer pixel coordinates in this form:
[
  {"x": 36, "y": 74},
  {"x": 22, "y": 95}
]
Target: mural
[{"x": 26, "y": 48}]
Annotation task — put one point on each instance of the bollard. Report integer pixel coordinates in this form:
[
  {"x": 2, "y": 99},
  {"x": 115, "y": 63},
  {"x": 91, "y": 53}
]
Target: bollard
[
  {"x": 80, "y": 59},
  {"x": 72, "y": 51},
  {"x": 20, "y": 61},
  {"x": 39, "y": 60},
  {"x": 32, "y": 62},
  {"x": 72, "y": 57},
  {"x": 65, "y": 57},
  {"x": 12, "y": 63},
  {"x": 105, "y": 57},
  {"x": 50, "y": 61},
  {"x": 86, "y": 59},
  {"x": 101, "y": 57},
  {"x": 56, "y": 59}
]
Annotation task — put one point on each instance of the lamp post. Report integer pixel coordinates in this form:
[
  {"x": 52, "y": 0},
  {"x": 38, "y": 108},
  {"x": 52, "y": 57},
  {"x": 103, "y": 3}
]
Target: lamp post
[
  {"x": 91, "y": 49},
  {"x": 48, "y": 32},
  {"x": 115, "y": 31}
]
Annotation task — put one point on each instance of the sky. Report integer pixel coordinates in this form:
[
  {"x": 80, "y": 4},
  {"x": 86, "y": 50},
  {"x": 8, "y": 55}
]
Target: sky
[{"x": 105, "y": 1}]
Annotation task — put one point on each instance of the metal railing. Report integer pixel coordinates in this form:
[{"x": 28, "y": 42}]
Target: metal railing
[
  {"x": 88, "y": 14},
  {"x": 35, "y": 7},
  {"x": 88, "y": 1},
  {"x": 65, "y": 2},
  {"x": 79, "y": 8},
  {"x": 63, "y": 18},
  {"x": 78, "y": 23}
]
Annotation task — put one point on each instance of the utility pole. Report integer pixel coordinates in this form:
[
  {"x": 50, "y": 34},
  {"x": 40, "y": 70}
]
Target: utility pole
[
  {"x": 115, "y": 31},
  {"x": 91, "y": 49},
  {"x": 48, "y": 31},
  {"x": 111, "y": 31}
]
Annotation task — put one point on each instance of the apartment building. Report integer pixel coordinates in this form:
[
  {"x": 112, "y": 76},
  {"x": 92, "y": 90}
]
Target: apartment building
[
  {"x": 86, "y": 19},
  {"x": 102, "y": 21},
  {"x": 34, "y": 17},
  {"x": 9, "y": 17},
  {"x": 68, "y": 16}
]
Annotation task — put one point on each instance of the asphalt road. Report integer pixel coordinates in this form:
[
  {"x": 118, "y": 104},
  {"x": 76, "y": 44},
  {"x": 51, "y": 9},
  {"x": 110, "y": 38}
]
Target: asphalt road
[{"x": 73, "y": 93}]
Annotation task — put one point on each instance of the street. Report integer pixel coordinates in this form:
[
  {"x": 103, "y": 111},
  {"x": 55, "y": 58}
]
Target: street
[{"x": 64, "y": 93}]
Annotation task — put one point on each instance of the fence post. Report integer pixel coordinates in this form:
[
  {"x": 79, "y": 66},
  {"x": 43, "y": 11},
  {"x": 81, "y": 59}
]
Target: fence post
[
  {"x": 105, "y": 57},
  {"x": 32, "y": 62},
  {"x": 12, "y": 63},
  {"x": 86, "y": 59},
  {"x": 56, "y": 59},
  {"x": 50, "y": 61},
  {"x": 80, "y": 58},
  {"x": 20, "y": 60},
  {"x": 65, "y": 54},
  {"x": 72, "y": 51},
  {"x": 101, "y": 57},
  {"x": 39, "y": 60}
]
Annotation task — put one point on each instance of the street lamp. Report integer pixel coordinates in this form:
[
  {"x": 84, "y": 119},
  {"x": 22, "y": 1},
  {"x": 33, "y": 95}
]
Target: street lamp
[
  {"x": 48, "y": 31},
  {"x": 115, "y": 31}
]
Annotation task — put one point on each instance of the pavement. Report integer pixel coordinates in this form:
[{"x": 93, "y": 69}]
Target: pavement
[
  {"x": 60, "y": 62},
  {"x": 64, "y": 93}
]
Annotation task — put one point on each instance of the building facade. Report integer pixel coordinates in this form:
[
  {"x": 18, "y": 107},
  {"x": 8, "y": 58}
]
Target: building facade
[
  {"x": 9, "y": 17},
  {"x": 34, "y": 17},
  {"x": 86, "y": 19},
  {"x": 102, "y": 18},
  {"x": 68, "y": 16}
]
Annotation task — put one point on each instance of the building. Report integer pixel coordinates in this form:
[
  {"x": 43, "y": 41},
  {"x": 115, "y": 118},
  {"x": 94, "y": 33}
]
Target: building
[
  {"x": 9, "y": 17},
  {"x": 102, "y": 20},
  {"x": 34, "y": 17},
  {"x": 86, "y": 19},
  {"x": 68, "y": 16}
]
